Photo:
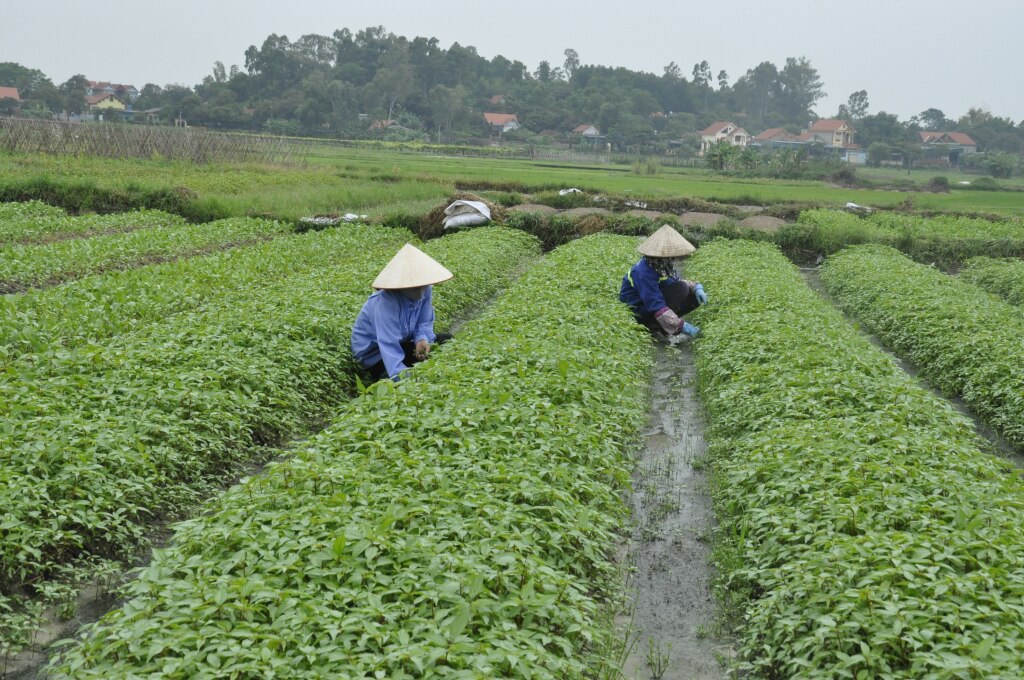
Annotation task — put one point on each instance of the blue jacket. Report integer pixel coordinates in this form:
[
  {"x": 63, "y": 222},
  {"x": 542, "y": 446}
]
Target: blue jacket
[
  {"x": 641, "y": 288},
  {"x": 388, "y": 319}
]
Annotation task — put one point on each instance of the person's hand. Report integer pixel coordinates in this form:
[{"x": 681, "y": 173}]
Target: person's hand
[
  {"x": 422, "y": 349},
  {"x": 668, "y": 320},
  {"x": 702, "y": 297},
  {"x": 690, "y": 329}
]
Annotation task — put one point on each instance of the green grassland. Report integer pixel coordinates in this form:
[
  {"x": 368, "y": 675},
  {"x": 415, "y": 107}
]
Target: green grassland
[{"x": 382, "y": 182}]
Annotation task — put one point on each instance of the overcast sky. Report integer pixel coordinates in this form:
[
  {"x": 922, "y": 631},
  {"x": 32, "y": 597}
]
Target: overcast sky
[{"x": 909, "y": 55}]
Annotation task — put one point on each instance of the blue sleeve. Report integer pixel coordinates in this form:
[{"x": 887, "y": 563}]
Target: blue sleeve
[
  {"x": 389, "y": 335},
  {"x": 645, "y": 280},
  {"x": 424, "y": 326}
]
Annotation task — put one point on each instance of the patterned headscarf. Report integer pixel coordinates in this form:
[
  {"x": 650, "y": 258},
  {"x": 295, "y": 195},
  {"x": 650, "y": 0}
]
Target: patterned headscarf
[{"x": 662, "y": 265}]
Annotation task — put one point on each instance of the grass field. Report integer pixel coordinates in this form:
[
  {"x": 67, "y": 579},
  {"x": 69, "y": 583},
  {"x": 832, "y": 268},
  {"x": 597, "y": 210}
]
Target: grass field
[{"x": 379, "y": 182}]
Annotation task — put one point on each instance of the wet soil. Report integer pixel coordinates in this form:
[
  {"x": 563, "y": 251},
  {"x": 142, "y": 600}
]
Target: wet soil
[
  {"x": 671, "y": 615},
  {"x": 997, "y": 445}
]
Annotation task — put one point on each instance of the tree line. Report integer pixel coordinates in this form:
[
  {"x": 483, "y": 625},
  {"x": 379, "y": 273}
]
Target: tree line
[{"x": 339, "y": 85}]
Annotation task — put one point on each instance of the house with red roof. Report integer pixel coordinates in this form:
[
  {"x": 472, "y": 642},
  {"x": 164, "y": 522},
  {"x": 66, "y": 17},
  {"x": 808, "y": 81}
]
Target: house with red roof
[
  {"x": 723, "y": 130},
  {"x": 124, "y": 92},
  {"x": 949, "y": 140},
  {"x": 586, "y": 130},
  {"x": 501, "y": 122},
  {"x": 945, "y": 148},
  {"x": 832, "y": 132},
  {"x": 10, "y": 93},
  {"x": 10, "y": 100}
]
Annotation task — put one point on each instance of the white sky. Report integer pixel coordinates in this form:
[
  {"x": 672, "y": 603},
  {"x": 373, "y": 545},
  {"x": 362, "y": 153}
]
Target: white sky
[{"x": 908, "y": 54}]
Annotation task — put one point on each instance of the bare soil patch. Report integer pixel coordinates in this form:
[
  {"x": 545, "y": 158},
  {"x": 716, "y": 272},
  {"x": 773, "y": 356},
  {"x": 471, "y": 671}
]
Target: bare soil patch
[
  {"x": 762, "y": 223},
  {"x": 580, "y": 212},
  {"x": 700, "y": 219},
  {"x": 534, "y": 208},
  {"x": 649, "y": 214}
]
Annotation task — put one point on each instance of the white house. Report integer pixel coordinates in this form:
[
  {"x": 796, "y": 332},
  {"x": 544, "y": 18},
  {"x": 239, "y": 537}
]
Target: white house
[
  {"x": 723, "y": 130},
  {"x": 832, "y": 132},
  {"x": 586, "y": 130},
  {"x": 502, "y": 122}
]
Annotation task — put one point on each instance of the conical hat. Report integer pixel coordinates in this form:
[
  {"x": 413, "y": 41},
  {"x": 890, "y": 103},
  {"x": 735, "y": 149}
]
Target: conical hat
[
  {"x": 666, "y": 242},
  {"x": 411, "y": 268}
]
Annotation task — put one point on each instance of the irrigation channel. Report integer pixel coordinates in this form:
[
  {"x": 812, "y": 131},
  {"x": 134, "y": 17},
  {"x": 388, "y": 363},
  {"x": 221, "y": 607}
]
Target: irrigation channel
[
  {"x": 671, "y": 615},
  {"x": 997, "y": 444}
]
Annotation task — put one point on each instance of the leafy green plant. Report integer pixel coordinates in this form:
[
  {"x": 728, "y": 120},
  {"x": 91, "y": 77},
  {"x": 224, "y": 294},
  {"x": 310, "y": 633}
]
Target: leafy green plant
[
  {"x": 142, "y": 238},
  {"x": 862, "y": 531},
  {"x": 964, "y": 340},
  {"x": 457, "y": 523},
  {"x": 102, "y": 438},
  {"x": 1003, "y": 277}
]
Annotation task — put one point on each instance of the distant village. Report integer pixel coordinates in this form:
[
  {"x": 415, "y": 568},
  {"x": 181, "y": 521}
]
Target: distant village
[{"x": 106, "y": 100}]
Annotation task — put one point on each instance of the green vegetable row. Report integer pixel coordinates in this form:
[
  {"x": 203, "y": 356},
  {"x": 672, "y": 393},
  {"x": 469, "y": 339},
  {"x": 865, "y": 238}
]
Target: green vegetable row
[
  {"x": 101, "y": 439},
  {"x": 40, "y": 322},
  {"x": 964, "y": 340},
  {"x": 457, "y": 524},
  {"x": 35, "y": 222},
  {"x": 166, "y": 237},
  {"x": 28, "y": 220},
  {"x": 942, "y": 237},
  {"x": 1004, "y": 277},
  {"x": 862, "y": 531}
]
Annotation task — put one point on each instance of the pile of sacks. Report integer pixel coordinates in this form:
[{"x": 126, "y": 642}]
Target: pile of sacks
[{"x": 466, "y": 214}]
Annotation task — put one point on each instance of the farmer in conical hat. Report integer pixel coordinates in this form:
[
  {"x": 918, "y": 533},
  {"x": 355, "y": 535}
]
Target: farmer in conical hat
[
  {"x": 653, "y": 289},
  {"x": 395, "y": 327}
]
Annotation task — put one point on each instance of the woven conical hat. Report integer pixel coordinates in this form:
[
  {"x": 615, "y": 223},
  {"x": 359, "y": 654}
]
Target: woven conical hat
[
  {"x": 666, "y": 242},
  {"x": 411, "y": 268}
]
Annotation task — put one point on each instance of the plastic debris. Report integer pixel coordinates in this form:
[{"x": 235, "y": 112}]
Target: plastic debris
[{"x": 573, "y": 190}]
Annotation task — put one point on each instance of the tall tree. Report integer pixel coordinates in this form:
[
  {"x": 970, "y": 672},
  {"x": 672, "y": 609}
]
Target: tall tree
[
  {"x": 543, "y": 72},
  {"x": 723, "y": 80},
  {"x": 934, "y": 120},
  {"x": 393, "y": 81},
  {"x": 702, "y": 74},
  {"x": 857, "y": 104},
  {"x": 572, "y": 62},
  {"x": 800, "y": 88}
]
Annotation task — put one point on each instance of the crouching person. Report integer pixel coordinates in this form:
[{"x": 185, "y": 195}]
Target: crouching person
[
  {"x": 653, "y": 290},
  {"x": 395, "y": 327}
]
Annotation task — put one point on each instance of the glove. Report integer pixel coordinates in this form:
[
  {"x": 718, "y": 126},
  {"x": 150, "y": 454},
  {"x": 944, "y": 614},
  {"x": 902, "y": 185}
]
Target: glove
[
  {"x": 668, "y": 320},
  {"x": 690, "y": 329},
  {"x": 702, "y": 297}
]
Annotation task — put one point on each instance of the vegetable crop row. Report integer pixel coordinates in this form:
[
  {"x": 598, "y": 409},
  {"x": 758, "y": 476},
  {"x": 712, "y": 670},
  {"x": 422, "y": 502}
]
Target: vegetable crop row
[
  {"x": 862, "y": 531},
  {"x": 102, "y": 439},
  {"x": 943, "y": 238},
  {"x": 1003, "y": 277},
  {"x": 17, "y": 220},
  {"x": 167, "y": 237},
  {"x": 457, "y": 524},
  {"x": 964, "y": 340},
  {"x": 35, "y": 222},
  {"x": 40, "y": 322}
]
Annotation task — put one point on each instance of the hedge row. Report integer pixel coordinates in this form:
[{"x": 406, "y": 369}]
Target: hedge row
[
  {"x": 863, "y": 533},
  {"x": 459, "y": 524}
]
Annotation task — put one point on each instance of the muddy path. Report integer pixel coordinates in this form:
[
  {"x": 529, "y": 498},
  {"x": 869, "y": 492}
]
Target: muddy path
[
  {"x": 671, "y": 615},
  {"x": 995, "y": 442}
]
